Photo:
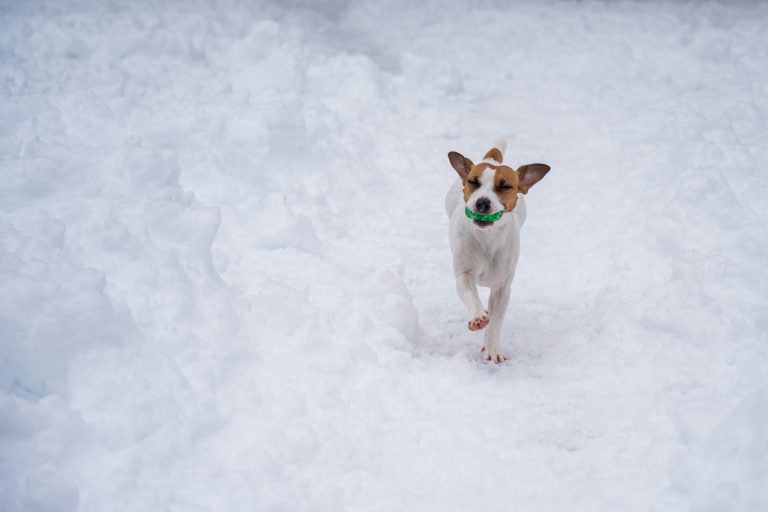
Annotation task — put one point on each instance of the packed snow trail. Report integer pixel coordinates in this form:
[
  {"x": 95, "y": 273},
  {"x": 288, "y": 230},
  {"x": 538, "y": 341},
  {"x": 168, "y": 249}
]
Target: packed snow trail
[{"x": 225, "y": 282}]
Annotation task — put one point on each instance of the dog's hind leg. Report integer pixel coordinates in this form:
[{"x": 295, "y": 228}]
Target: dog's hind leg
[{"x": 497, "y": 306}]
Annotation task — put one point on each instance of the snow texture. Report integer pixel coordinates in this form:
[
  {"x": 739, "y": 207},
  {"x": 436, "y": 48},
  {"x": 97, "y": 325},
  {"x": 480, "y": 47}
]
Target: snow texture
[{"x": 225, "y": 282}]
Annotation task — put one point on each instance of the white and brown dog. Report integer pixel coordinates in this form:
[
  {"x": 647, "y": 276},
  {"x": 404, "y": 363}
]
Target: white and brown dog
[{"x": 486, "y": 213}]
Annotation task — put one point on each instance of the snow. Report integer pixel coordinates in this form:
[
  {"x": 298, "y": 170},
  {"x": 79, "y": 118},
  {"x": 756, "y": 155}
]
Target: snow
[{"x": 225, "y": 281}]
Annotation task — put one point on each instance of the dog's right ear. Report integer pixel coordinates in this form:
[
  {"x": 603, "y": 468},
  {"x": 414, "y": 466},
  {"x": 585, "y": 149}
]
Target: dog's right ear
[{"x": 461, "y": 163}]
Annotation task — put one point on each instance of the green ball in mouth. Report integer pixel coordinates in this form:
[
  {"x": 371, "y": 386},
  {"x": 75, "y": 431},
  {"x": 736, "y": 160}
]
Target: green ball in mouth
[{"x": 484, "y": 218}]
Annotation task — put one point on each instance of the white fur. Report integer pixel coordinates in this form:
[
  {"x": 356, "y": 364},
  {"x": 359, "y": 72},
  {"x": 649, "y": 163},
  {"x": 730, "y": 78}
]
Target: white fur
[
  {"x": 485, "y": 257},
  {"x": 501, "y": 144}
]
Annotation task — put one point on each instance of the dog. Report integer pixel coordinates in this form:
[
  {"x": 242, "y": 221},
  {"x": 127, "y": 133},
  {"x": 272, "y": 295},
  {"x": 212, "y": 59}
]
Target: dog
[{"x": 486, "y": 211}]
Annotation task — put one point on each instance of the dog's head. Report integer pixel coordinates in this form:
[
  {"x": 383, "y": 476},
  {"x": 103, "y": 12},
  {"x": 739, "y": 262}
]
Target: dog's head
[{"x": 491, "y": 187}]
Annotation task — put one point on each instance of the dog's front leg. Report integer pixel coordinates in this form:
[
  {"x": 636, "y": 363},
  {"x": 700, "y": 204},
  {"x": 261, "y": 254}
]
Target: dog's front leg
[
  {"x": 467, "y": 291},
  {"x": 497, "y": 308}
]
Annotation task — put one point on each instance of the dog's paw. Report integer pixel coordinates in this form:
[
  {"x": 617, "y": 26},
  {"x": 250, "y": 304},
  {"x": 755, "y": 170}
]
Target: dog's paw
[
  {"x": 479, "y": 322},
  {"x": 493, "y": 354}
]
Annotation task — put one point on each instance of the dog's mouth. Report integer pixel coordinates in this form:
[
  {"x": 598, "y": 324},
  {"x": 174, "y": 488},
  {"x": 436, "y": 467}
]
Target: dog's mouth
[
  {"x": 483, "y": 224},
  {"x": 483, "y": 220}
]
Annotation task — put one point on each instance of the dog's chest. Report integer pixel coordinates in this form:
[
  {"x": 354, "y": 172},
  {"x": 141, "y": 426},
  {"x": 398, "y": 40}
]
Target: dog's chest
[
  {"x": 490, "y": 270},
  {"x": 493, "y": 260}
]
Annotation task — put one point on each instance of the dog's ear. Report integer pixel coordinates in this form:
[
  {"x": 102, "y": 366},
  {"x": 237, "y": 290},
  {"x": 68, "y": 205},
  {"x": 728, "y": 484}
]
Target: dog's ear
[
  {"x": 461, "y": 163},
  {"x": 530, "y": 175}
]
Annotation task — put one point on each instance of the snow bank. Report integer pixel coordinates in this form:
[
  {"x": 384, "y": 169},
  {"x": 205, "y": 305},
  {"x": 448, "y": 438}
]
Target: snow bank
[{"x": 226, "y": 285}]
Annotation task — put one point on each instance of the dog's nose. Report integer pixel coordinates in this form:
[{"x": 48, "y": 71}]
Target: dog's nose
[{"x": 483, "y": 205}]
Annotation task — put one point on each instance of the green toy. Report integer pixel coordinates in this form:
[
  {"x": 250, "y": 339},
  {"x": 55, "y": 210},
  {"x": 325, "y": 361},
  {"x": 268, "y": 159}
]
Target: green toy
[{"x": 485, "y": 218}]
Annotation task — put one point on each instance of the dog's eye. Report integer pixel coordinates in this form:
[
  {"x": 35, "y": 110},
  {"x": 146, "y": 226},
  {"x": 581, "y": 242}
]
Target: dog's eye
[
  {"x": 474, "y": 182},
  {"x": 503, "y": 186}
]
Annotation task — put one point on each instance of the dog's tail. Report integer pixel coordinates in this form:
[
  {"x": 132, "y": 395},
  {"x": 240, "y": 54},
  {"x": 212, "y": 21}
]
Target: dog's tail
[{"x": 496, "y": 153}]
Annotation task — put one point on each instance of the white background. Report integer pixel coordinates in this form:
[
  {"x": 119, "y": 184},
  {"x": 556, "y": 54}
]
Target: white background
[{"x": 225, "y": 283}]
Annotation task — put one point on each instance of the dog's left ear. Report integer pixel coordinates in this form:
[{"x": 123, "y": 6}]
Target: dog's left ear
[
  {"x": 461, "y": 163},
  {"x": 530, "y": 175}
]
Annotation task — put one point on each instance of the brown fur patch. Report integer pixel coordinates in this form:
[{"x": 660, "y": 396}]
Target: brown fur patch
[
  {"x": 506, "y": 184},
  {"x": 476, "y": 172},
  {"x": 494, "y": 154},
  {"x": 504, "y": 176}
]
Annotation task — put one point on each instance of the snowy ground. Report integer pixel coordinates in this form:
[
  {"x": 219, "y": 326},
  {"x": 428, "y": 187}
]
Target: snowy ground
[{"x": 225, "y": 282}]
